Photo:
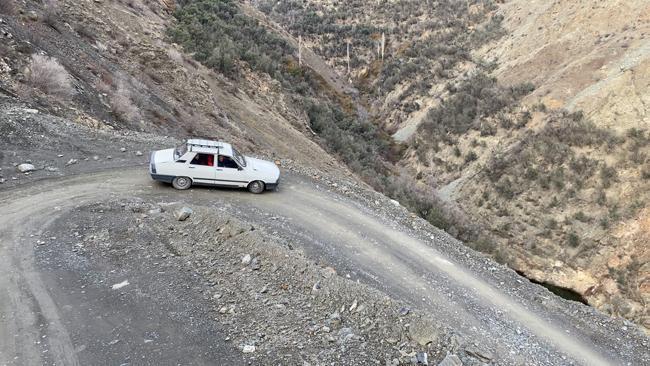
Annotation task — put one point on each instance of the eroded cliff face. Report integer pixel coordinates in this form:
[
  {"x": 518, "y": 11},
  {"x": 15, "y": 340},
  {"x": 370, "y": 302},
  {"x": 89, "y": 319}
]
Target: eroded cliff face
[
  {"x": 584, "y": 55},
  {"x": 593, "y": 57}
]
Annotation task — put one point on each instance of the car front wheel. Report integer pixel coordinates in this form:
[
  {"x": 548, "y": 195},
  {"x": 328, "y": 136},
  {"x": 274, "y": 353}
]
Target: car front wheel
[
  {"x": 256, "y": 187},
  {"x": 182, "y": 183}
]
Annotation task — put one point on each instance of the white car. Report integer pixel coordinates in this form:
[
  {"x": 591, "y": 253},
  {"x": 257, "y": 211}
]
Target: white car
[{"x": 214, "y": 163}]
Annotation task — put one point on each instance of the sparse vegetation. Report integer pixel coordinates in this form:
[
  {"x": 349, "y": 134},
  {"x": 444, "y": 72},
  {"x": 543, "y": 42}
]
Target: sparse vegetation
[
  {"x": 573, "y": 240},
  {"x": 48, "y": 75},
  {"x": 7, "y": 7},
  {"x": 468, "y": 107},
  {"x": 122, "y": 103},
  {"x": 222, "y": 37}
]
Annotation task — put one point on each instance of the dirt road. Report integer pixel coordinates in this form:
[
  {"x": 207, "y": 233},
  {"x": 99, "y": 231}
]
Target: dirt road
[{"x": 42, "y": 322}]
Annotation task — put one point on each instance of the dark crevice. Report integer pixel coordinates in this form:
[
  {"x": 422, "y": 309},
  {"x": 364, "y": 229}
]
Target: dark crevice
[{"x": 563, "y": 292}]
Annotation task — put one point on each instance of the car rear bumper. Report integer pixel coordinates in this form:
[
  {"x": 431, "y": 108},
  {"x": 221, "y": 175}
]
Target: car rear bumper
[
  {"x": 162, "y": 178},
  {"x": 272, "y": 186}
]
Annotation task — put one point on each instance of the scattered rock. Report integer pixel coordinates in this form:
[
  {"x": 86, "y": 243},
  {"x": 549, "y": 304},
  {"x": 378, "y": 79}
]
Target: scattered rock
[
  {"x": 421, "y": 358},
  {"x": 248, "y": 349},
  {"x": 451, "y": 360},
  {"x": 52, "y": 169},
  {"x": 123, "y": 149},
  {"x": 246, "y": 260},
  {"x": 345, "y": 335},
  {"x": 25, "y": 168},
  {"x": 334, "y": 319},
  {"x": 480, "y": 354},
  {"x": 424, "y": 332},
  {"x": 118, "y": 286},
  {"x": 138, "y": 153},
  {"x": 183, "y": 213},
  {"x": 353, "y": 306},
  {"x": 71, "y": 162}
]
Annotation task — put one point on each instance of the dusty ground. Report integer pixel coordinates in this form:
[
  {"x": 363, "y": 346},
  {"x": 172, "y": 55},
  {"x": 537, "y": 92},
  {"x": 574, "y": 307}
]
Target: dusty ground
[{"x": 333, "y": 269}]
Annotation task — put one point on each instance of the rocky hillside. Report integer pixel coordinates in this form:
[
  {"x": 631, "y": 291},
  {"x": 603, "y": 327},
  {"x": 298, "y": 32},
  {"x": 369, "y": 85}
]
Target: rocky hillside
[
  {"x": 528, "y": 117},
  {"x": 110, "y": 64},
  {"x": 519, "y": 127}
]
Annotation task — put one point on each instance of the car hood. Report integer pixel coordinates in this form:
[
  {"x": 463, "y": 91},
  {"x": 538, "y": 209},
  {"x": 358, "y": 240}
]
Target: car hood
[
  {"x": 263, "y": 166},
  {"x": 162, "y": 156}
]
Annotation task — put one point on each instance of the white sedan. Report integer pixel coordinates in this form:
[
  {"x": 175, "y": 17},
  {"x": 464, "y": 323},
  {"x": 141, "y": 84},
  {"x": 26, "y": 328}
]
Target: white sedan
[{"x": 207, "y": 162}]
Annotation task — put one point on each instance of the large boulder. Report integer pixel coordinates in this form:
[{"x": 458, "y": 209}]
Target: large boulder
[
  {"x": 424, "y": 331},
  {"x": 183, "y": 213},
  {"x": 25, "y": 168},
  {"x": 451, "y": 360}
]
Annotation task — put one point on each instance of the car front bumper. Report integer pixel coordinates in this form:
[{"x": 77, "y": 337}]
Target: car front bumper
[
  {"x": 162, "y": 178},
  {"x": 273, "y": 186}
]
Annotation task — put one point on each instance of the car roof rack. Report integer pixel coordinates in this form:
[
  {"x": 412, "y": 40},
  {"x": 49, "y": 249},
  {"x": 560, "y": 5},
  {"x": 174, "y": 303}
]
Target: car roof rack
[
  {"x": 209, "y": 146},
  {"x": 204, "y": 143}
]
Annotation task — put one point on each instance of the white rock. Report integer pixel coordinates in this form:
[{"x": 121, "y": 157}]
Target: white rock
[
  {"x": 138, "y": 153},
  {"x": 451, "y": 360},
  {"x": 353, "y": 306},
  {"x": 246, "y": 259},
  {"x": 248, "y": 349},
  {"x": 118, "y": 286},
  {"x": 24, "y": 168},
  {"x": 183, "y": 214},
  {"x": 123, "y": 149},
  {"x": 32, "y": 111},
  {"x": 71, "y": 162}
]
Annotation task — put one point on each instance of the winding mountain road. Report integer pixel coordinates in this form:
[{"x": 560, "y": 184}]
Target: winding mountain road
[{"x": 37, "y": 322}]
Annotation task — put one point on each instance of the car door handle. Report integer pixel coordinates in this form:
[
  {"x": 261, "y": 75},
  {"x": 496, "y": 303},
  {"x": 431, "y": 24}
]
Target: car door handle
[
  {"x": 220, "y": 170},
  {"x": 191, "y": 167}
]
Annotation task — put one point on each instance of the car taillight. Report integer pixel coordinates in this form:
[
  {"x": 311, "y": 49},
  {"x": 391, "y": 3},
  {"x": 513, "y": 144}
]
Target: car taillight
[{"x": 153, "y": 165}]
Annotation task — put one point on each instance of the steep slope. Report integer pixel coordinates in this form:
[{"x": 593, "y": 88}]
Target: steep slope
[
  {"x": 126, "y": 75},
  {"x": 586, "y": 55},
  {"x": 530, "y": 117}
]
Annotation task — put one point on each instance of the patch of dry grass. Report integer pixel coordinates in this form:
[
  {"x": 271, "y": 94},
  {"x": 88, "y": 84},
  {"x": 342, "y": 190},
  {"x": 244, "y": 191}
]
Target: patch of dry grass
[{"x": 48, "y": 75}]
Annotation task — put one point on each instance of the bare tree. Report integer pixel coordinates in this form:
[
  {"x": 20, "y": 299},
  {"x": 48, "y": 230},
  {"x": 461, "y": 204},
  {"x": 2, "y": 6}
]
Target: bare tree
[
  {"x": 348, "y": 58},
  {"x": 300, "y": 50}
]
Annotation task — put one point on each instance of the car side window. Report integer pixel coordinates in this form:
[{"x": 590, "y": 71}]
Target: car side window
[
  {"x": 203, "y": 159},
  {"x": 227, "y": 162}
]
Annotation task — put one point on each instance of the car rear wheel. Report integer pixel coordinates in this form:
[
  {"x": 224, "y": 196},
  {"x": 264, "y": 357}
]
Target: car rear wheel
[
  {"x": 256, "y": 187},
  {"x": 182, "y": 183}
]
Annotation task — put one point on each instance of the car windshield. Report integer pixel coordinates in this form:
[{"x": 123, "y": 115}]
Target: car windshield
[
  {"x": 239, "y": 158},
  {"x": 179, "y": 151}
]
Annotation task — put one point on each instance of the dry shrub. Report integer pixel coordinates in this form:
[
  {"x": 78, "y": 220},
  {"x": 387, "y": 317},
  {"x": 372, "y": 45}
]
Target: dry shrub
[
  {"x": 122, "y": 104},
  {"x": 175, "y": 56},
  {"x": 7, "y": 7},
  {"x": 48, "y": 75},
  {"x": 50, "y": 13}
]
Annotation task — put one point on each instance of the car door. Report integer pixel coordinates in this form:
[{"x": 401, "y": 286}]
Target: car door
[
  {"x": 201, "y": 168},
  {"x": 229, "y": 173}
]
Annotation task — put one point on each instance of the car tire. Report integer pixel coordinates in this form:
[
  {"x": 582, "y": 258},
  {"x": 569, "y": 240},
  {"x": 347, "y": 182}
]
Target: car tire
[
  {"x": 182, "y": 183},
  {"x": 256, "y": 187}
]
